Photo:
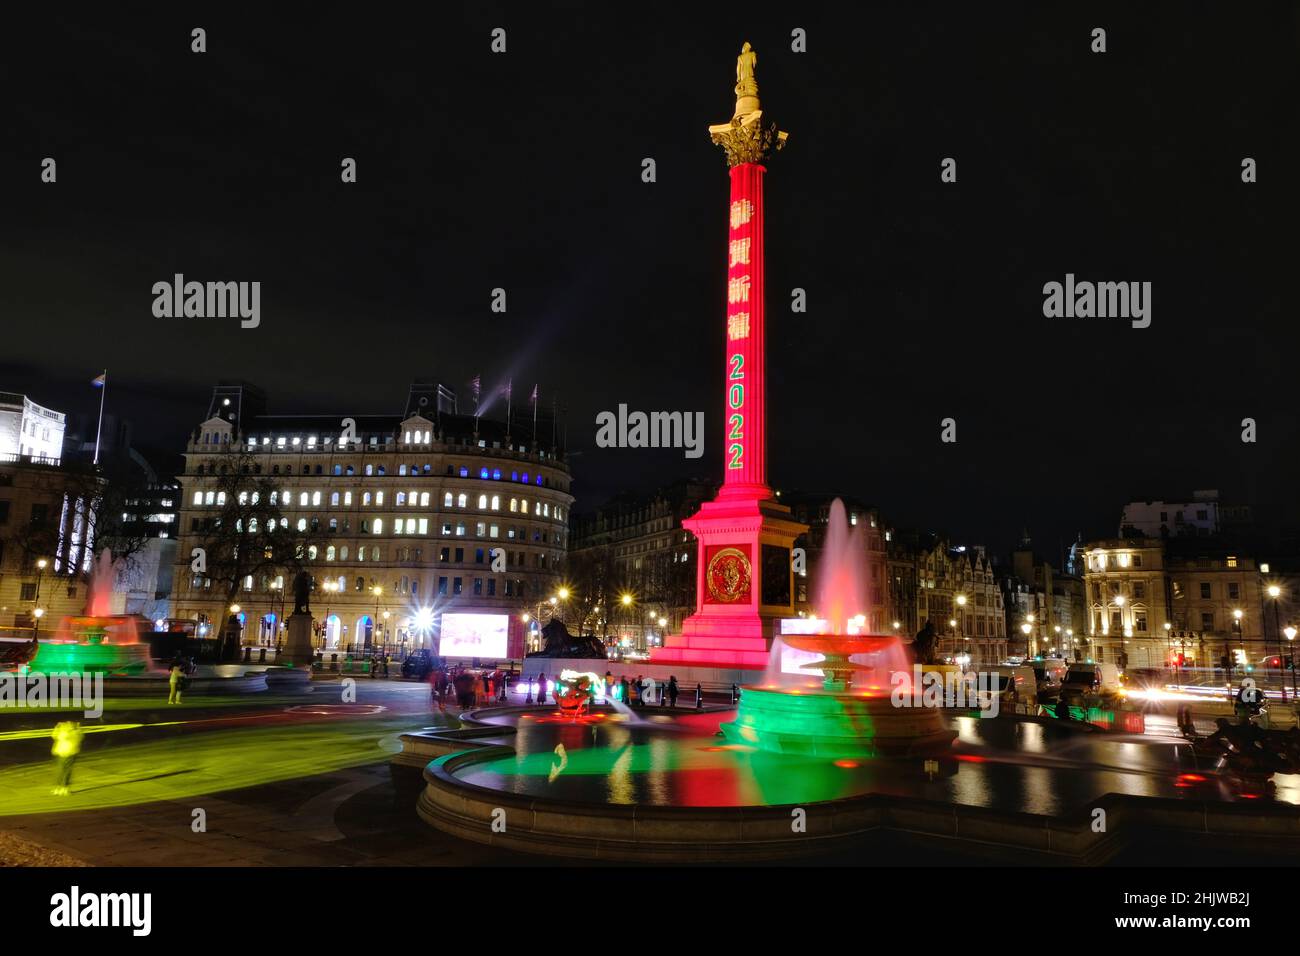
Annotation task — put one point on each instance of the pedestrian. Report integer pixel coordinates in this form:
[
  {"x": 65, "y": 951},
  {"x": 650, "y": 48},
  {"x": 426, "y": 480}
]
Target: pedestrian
[
  {"x": 385, "y": 663},
  {"x": 175, "y": 682},
  {"x": 623, "y": 688},
  {"x": 634, "y": 692},
  {"x": 67, "y": 744},
  {"x": 541, "y": 687},
  {"x": 487, "y": 687},
  {"x": 699, "y": 697},
  {"x": 640, "y": 691},
  {"x": 438, "y": 688},
  {"x": 672, "y": 691}
]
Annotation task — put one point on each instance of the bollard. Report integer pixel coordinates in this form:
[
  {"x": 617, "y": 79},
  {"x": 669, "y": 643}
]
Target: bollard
[
  {"x": 735, "y": 693},
  {"x": 248, "y": 655},
  {"x": 699, "y": 697}
]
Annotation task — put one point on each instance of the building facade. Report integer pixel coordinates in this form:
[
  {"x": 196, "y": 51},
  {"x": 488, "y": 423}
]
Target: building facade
[
  {"x": 1152, "y": 600},
  {"x": 29, "y": 430},
  {"x": 959, "y": 594},
  {"x": 47, "y": 539},
  {"x": 632, "y": 565},
  {"x": 404, "y": 521}
]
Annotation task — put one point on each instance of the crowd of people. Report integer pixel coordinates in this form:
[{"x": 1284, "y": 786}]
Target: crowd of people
[{"x": 466, "y": 686}]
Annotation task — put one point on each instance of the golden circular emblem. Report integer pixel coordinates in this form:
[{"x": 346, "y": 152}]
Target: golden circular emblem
[{"x": 728, "y": 576}]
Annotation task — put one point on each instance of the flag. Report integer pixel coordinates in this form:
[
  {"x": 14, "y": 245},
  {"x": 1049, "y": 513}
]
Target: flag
[
  {"x": 99, "y": 380},
  {"x": 475, "y": 386}
]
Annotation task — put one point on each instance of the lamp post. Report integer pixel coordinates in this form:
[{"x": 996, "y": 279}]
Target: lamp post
[
  {"x": 37, "y": 610},
  {"x": 331, "y": 587},
  {"x": 1290, "y": 636},
  {"x": 1275, "y": 592},
  {"x": 625, "y": 600},
  {"x": 960, "y": 633},
  {"x": 377, "y": 591}
]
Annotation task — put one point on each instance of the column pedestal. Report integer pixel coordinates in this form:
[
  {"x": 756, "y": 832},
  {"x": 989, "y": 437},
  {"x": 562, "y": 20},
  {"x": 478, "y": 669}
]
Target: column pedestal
[{"x": 297, "y": 649}]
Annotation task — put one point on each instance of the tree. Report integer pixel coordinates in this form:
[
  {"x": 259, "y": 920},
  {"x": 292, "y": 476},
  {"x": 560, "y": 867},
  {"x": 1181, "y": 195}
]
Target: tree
[
  {"x": 249, "y": 537},
  {"x": 592, "y": 575}
]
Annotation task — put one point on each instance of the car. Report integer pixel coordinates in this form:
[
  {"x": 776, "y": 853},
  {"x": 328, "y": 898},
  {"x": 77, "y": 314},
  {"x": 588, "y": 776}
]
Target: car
[{"x": 418, "y": 663}]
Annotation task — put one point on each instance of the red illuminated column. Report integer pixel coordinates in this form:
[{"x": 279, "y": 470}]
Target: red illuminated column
[{"x": 745, "y": 400}]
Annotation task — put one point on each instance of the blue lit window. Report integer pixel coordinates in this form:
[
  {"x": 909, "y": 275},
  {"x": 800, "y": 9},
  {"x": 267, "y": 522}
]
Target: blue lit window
[
  {"x": 483, "y": 473},
  {"x": 496, "y": 474},
  {"x": 525, "y": 477},
  {"x": 464, "y": 472},
  {"x": 539, "y": 479},
  {"x": 514, "y": 475}
]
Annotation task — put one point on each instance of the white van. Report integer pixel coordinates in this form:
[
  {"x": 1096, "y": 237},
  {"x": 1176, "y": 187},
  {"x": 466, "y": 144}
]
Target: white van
[
  {"x": 1084, "y": 678},
  {"x": 1024, "y": 689}
]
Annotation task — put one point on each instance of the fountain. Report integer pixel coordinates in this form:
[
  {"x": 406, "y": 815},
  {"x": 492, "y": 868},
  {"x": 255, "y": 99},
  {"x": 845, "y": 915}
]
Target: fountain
[
  {"x": 851, "y": 713},
  {"x": 99, "y": 641}
]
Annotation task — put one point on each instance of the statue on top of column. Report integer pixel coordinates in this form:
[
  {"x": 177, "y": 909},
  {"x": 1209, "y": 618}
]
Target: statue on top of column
[{"x": 746, "y": 85}]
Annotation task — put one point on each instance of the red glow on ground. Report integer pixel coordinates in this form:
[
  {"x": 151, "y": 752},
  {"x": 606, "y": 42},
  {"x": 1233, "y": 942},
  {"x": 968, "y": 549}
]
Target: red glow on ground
[
  {"x": 848, "y": 764},
  {"x": 1191, "y": 778},
  {"x": 972, "y": 758},
  {"x": 561, "y": 718},
  {"x": 1250, "y": 796}
]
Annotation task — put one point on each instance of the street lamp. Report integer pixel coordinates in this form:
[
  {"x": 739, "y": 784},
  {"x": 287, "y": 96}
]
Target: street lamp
[
  {"x": 331, "y": 587},
  {"x": 1275, "y": 592},
  {"x": 38, "y": 613},
  {"x": 1290, "y": 633},
  {"x": 377, "y": 591}
]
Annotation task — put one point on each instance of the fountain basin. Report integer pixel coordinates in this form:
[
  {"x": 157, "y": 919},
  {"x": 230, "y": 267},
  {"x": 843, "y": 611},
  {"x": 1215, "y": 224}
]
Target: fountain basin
[
  {"x": 68, "y": 658},
  {"x": 810, "y": 722}
]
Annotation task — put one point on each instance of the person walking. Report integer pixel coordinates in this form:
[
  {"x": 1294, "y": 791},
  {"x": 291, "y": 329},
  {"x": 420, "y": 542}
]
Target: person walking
[
  {"x": 438, "y": 688},
  {"x": 672, "y": 691},
  {"x": 67, "y": 744},
  {"x": 175, "y": 682}
]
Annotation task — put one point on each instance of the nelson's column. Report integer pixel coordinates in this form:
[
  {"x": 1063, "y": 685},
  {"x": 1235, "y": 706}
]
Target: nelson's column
[{"x": 744, "y": 581}]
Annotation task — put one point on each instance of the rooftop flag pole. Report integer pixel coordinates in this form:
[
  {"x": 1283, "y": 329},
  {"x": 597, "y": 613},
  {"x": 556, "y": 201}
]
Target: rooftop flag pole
[
  {"x": 534, "y": 400},
  {"x": 101, "y": 383}
]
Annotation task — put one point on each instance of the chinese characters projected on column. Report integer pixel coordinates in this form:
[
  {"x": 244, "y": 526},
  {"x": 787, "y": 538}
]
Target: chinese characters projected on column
[{"x": 738, "y": 286}]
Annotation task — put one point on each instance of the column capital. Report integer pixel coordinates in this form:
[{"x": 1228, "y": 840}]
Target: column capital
[{"x": 746, "y": 140}]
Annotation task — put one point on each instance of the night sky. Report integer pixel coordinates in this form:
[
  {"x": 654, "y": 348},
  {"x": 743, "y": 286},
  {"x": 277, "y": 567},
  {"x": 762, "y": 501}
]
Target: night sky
[{"x": 523, "y": 171}]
